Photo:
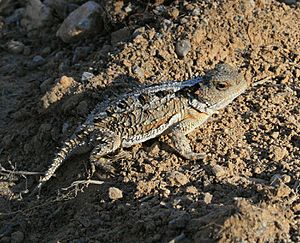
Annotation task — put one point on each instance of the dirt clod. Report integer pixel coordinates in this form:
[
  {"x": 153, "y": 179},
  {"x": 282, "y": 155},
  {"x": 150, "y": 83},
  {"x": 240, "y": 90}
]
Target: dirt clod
[{"x": 177, "y": 178}]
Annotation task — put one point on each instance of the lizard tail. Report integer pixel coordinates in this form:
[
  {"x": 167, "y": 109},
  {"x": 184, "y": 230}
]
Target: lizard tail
[{"x": 76, "y": 142}]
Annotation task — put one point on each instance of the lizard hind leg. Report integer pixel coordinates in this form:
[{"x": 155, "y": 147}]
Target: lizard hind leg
[{"x": 105, "y": 146}]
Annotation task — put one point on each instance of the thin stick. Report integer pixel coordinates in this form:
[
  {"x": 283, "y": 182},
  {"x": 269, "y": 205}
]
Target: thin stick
[
  {"x": 83, "y": 182},
  {"x": 20, "y": 172}
]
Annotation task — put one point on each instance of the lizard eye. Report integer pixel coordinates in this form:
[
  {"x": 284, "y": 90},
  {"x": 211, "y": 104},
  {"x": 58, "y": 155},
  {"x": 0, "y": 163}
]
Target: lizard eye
[{"x": 221, "y": 85}]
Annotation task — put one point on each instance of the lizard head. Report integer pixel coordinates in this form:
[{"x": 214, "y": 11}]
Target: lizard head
[{"x": 220, "y": 86}]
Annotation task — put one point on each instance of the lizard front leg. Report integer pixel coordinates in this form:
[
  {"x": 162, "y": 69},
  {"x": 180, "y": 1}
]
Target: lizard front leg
[{"x": 177, "y": 134}]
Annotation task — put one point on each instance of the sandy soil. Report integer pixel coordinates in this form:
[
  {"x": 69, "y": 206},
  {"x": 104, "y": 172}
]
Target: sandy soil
[{"x": 246, "y": 189}]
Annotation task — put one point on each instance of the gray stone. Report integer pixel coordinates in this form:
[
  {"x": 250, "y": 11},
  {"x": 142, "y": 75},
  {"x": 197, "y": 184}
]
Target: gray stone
[
  {"x": 82, "y": 22},
  {"x": 87, "y": 76},
  {"x": 38, "y": 60},
  {"x": 15, "y": 47},
  {"x": 183, "y": 47}
]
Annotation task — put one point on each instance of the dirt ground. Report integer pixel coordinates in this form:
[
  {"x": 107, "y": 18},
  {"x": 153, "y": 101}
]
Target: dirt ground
[{"x": 246, "y": 188}]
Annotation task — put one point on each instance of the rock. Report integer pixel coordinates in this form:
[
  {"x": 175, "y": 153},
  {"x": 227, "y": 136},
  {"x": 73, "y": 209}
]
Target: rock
[
  {"x": 38, "y": 61},
  {"x": 120, "y": 35},
  {"x": 207, "y": 197},
  {"x": 17, "y": 237},
  {"x": 275, "y": 135},
  {"x": 115, "y": 193},
  {"x": 173, "y": 12},
  {"x": 182, "y": 47},
  {"x": 15, "y": 47},
  {"x": 192, "y": 190},
  {"x": 36, "y": 15},
  {"x": 66, "y": 82},
  {"x": 177, "y": 178},
  {"x": 218, "y": 171},
  {"x": 83, "y": 21},
  {"x": 86, "y": 76}
]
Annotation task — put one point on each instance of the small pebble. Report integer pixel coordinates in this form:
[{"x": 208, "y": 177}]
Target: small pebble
[
  {"x": 38, "y": 60},
  {"x": 183, "y": 47},
  {"x": 15, "y": 47},
  {"x": 115, "y": 193},
  {"x": 173, "y": 13},
  {"x": 196, "y": 12},
  {"x": 86, "y": 76},
  {"x": 191, "y": 190},
  {"x": 275, "y": 135},
  {"x": 207, "y": 197},
  {"x": 66, "y": 82}
]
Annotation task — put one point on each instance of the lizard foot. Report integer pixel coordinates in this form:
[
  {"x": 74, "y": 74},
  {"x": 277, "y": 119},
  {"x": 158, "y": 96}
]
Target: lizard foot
[{"x": 104, "y": 164}]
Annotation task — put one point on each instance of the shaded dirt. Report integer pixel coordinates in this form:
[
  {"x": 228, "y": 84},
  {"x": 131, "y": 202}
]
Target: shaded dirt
[{"x": 246, "y": 189}]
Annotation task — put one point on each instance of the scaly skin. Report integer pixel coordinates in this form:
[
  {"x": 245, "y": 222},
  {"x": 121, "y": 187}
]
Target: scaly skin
[{"x": 173, "y": 109}]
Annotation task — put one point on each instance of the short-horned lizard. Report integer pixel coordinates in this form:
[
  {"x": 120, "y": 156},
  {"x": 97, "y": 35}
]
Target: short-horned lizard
[{"x": 173, "y": 108}]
